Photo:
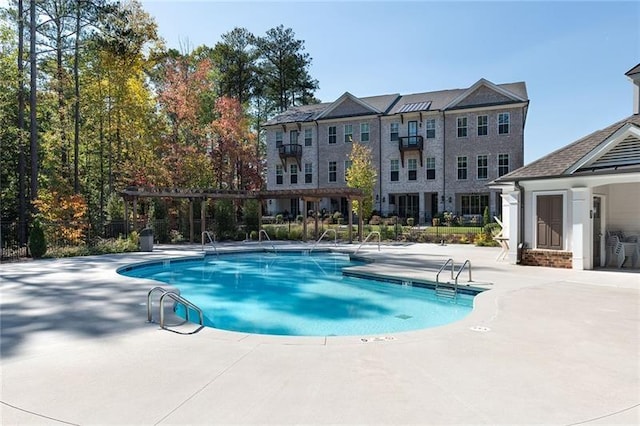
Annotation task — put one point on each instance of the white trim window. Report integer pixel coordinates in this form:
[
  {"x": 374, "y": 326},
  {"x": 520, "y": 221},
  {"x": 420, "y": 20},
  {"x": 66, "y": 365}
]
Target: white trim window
[
  {"x": 461, "y": 125},
  {"x": 308, "y": 172},
  {"x": 364, "y": 132},
  {"x": 430, "y": 126},
  {"x": 308, "y": 137},
  {"x": 483, "y": 167},
  {"x": 504, "y": 121},
  {"x": 333, "y": 135},
  {"x": 412, "y": 167},
  {"x": 279, "y": 174},
  {"x": 293, "y": 137},
  {"x": 333, "y": 171},
  {"x": 503, "y": 164},
  {"x": 483, "y": 125},
  {"x": 430, "y": 166},
  {"x": 394, "y": 132},
  {"x": 279, "y": 138},
  {"x": 462, "y": 168},
  {"x": 293, "y": 175},
  {"x": 348, "y": 133},
  {"x": 347, "y": 165},
  {"x": 395, "y": 170}
]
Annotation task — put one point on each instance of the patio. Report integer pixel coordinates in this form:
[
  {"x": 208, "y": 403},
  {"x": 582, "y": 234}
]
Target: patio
[{"x": 550, "y": 346}]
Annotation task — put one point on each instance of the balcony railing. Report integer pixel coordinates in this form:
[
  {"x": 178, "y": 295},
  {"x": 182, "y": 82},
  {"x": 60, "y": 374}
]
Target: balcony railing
[
  {"x": 290, "y": 151},
  {"x": 410, "y": 143}
]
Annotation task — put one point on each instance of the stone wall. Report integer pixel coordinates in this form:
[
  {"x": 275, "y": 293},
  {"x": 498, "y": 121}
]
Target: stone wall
[{"x": 550, "y": 258}]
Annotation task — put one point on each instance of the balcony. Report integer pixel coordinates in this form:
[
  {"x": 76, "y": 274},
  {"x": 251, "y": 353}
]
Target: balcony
[
  {"x": 290, "y": 151},
  {"x": 410, "y": 143}
]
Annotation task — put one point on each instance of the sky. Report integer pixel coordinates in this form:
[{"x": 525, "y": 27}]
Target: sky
[{"x": 572, "y": 55}]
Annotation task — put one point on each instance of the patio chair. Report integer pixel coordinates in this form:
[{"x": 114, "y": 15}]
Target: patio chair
[{"x": 617, "y": 250}]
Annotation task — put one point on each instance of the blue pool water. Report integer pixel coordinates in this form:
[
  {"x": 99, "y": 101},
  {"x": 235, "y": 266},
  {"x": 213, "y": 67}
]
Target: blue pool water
[{"x": 300, "y": 294}]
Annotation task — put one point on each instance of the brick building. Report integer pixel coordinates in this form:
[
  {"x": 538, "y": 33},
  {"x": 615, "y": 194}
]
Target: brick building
[{"x": 434, "y": 151}]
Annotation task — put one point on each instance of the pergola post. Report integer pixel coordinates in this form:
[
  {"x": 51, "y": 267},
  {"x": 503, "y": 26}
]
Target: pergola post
[
  {"x": 191, "y": 220},
  {"x": 304, "y": 219},
  {"x": 126, "y": 217},
  {"x": 316, "y": 205},
  {"x": 360, "y": 220},
  {"x": 260, "y": 205},
  {"x": 349, "y": 202},
  {"x": 203, "y": 214},
  {"x": 135, "y": 213}
]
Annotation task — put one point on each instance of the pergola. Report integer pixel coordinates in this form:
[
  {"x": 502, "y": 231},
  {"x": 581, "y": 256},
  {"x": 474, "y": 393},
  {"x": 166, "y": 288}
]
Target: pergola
[{"x": 132, "y": 194}]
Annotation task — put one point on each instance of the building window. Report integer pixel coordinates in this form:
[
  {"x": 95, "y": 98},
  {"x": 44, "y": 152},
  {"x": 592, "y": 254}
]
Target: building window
[
  {"x": 430, "y": 165},
  {"x": 333, "y": 171},
  {"x": 293, "y": 137},
  {"x": 462, "y": 168},
  {"x": 394, "y": 132},
  {"x": 462, "y": 127},
  {"x": 348, "y": 133},
  {"x": 483, "y": 125},
  {"x": 412, "y": 166},
  {"x": 279, "y": 136},
  {"x": 503, "y": 164},
  {"x": 549, "y": 222},
  {"x": 332, "y": 134},
  {"x": 364, "y": 132},
  {"x": 473, "y": 203},
  {"x": 395, "y": 170},
  {"x": 293, "y": 176},
  {"x": 431, "y": 128},
  {"x": 483, "y": 167},
  {"x": 308, "y": 172},
  {"x": 279, "y": 174},
  {"x": 347, "y": 165},
  {"x": 503, "y": 123},
  {"x": 308, "y": 139}
]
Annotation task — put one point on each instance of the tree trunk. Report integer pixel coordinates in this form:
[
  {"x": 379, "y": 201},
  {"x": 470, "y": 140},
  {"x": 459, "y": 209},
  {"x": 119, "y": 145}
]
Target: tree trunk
[
  {"x": 76, "y": 105},
  {"x": 33, "y": 87},
  {"x": 22, "y": 166}
]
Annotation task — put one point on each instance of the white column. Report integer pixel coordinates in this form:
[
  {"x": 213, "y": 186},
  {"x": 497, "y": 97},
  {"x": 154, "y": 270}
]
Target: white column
[
  {"x": 581, "y": 228},
  {"x": 510, "y": 220}
]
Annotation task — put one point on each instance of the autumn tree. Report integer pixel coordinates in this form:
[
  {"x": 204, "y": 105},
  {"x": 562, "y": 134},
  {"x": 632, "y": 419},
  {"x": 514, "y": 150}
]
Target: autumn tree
[{"x": 362, "y": 175}]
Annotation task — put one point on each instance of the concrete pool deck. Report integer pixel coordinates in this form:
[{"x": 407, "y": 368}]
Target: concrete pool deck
[{"x": 543, "y": 346}]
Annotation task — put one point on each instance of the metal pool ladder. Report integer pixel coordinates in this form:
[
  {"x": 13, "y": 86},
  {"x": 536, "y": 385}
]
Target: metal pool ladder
[
  {"x": 446, "y": 290},
  {"x": 212, "y": 241},
  {"x": 367, "y": 239},
  {"x": 335, "y": 238},
  {"x": 262, "y": 231},
  {"x": 176, "y": 298}
]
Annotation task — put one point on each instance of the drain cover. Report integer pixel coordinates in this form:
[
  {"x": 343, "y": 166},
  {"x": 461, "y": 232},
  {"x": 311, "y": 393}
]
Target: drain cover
[
  {"x": 377, "y": 339},
  {"x": 403, "y": 316},
  {"x": 480, "y": 328}
]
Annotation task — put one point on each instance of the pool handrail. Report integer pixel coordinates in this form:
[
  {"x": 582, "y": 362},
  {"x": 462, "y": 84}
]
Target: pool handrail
[
  {"x": 335, "y": 238},
  {"x": 212, "y": 241},
  {"x": 179, "y": 299},
  {"x": 446, "y": 291},
  {"x": 466, "y": 263},
  {"x": 262, "y": 231},
  {"x": 367, "y": 239}
]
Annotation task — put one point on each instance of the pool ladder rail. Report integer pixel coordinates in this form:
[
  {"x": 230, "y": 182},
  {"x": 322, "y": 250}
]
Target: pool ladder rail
[
  {"x": 450, "y": 288},
  {"x": 212, "y": 241},
  {"x": 372, "y": 233},
  {"x": 263, "y": 232},
  {"x": 335, "y": 238},
  {"x": 177, "y": 299}
]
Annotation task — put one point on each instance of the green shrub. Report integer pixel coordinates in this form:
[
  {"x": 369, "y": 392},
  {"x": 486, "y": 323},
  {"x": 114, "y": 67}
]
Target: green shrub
[
  {"x": 282, "y": 233},
  {"x": 253, "y": 235},
  {"x": 251, "y": 215},
  {"x": 410, "y": 221},
  {"x": 224, "y": 223},
  {"x": 485, "y": 217},
  {"x": 37, "y": 241},
  {"x": 279, "y": 218}
]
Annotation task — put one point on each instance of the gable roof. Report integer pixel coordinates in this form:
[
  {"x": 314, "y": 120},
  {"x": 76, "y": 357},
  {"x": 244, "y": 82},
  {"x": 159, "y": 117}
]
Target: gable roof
[
  {"x": 633, "y": 71},
  {"x": 391, "y": 104},
  {"x": 584, "y": 154}
]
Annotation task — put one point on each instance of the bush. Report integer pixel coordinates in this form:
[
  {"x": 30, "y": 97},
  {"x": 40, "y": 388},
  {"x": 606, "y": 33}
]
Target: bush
[
  {"x": 224, "y": 224},
  {"x": 282, "y": 233},
  {"x": 37, "y": 242},
  {"x": 375, "y": 220},
  {"x": 486, "y": 219},
  {"x": 175, "y": 236},
  {"x": 279, "y": 218},
  {"x": 253, "y": 235},
  {"x": 410, "y": 221},
  {"x": 251, "y": 215}
]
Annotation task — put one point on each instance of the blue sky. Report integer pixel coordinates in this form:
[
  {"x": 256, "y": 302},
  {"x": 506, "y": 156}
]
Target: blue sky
[{"x": 572, "y": 55}]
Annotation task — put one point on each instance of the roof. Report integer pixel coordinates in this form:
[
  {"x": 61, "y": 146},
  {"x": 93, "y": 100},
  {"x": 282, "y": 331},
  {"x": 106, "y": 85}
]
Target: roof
[
  {"x": 564, "y": 161},
  {"x": 633, "y": 71},
  {"x": 397, "y": 104}
]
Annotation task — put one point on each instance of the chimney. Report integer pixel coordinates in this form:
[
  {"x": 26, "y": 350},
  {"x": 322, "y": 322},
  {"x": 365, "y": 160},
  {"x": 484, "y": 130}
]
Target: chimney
[{"x": 634, "y": 76}]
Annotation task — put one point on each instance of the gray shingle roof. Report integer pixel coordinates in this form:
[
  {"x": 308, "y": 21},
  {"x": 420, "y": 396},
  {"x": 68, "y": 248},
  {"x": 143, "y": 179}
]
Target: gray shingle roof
[
  {"x": 391, "y": 103},
  {"x": 560, "y": 161},
  {"x": 632, "y": 71}
]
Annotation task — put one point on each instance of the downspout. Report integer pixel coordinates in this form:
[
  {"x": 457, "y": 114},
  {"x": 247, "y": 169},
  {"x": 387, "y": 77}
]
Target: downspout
[
  {"x": 444, "y": 161},
  {"x": 520, "y": 243},
  {"x": 380, "y": 162}
]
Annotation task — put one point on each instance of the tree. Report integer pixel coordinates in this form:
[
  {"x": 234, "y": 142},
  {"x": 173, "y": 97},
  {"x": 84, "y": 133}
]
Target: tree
[
  {"x": 362, "y": 175},
  {"x": 236, "y": 59},
  {"x": 284, "y": 68}
]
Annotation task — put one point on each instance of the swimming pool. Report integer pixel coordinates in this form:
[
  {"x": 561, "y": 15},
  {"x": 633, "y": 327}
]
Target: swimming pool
[{"x": 300, "y": 294}]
